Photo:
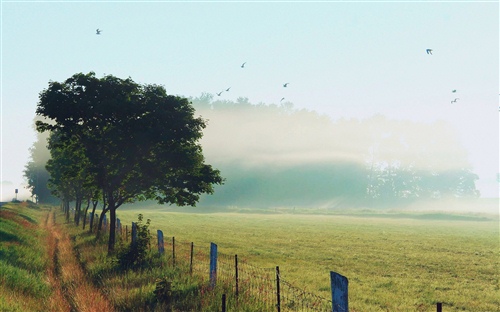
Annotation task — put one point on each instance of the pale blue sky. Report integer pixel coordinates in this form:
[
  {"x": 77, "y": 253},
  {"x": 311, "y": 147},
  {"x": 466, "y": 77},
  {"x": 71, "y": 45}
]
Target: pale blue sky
[{"x": 343, "y": 59}]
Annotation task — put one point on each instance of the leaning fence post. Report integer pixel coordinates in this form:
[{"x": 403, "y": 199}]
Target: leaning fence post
[
  {"x": 134, "y": 233},
  {"x": 339, "y": 285},
  {"x": 161, "y": 246},
  {"x": 278, "y": 298},
  {"x": 236, "y": 274},
  {"x": 213, "y": 264}
]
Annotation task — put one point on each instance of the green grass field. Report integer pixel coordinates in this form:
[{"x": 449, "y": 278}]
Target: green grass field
[{"x": 394, "y": 262}]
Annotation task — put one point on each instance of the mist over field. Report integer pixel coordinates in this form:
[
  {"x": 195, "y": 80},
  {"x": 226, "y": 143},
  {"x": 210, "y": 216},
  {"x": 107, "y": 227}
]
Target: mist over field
[{"x": 275, "y": 155}]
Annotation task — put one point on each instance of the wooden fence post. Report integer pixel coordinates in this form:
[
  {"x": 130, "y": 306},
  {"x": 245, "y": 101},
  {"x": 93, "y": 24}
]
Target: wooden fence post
[
  {"x": 213, "y": 264},
  {"x": 339, "y": 285},
  {"x": 161, "y": 245},
  {"x": 119, "y": 225},
  {"x": 134, "y": 233}
]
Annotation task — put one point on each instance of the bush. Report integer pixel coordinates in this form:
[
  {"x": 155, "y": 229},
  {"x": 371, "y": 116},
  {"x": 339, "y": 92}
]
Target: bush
[{"x": 134, "y": 255}]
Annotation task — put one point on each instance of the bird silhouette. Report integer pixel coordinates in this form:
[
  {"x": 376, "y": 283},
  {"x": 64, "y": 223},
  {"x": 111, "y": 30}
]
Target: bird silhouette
[
  {"x": 286, "y": 84},
  {"x": 243, "y": 65},
  {"x": 454, "y": 91},
  {"x": 218, "y": 94},
  {"x": 98, "y": 31},
  {"x": 455, "y": 100},
  {"x": 228, "y": 89},
  {"x": 429, "y": 51},
  {"x": 282, "y": 100}
]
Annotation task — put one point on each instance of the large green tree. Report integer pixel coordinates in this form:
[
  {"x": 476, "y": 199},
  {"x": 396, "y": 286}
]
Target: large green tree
[{"x": 140, "y": 142}]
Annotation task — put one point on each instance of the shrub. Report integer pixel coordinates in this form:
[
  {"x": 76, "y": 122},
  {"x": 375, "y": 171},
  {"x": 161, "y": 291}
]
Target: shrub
[{"x": 134, "y": 255}]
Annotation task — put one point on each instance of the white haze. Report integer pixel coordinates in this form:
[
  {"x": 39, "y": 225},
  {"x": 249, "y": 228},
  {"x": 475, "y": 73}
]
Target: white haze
[{"x": 254, "y": 136}]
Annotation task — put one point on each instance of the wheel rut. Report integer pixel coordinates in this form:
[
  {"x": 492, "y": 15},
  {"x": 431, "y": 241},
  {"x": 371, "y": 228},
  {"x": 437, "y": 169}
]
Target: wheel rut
[{"x": 73, "y": 291}]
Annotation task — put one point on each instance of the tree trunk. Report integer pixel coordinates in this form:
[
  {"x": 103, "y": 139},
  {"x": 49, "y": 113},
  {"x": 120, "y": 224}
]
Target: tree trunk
[
  {"x": 78, "y": 209},
  {"x": 85, "y": 213},
  {"x": 66, "y": 209},
  {"x": 94, "y": 207},
  {"x": 112, "y": 229}
]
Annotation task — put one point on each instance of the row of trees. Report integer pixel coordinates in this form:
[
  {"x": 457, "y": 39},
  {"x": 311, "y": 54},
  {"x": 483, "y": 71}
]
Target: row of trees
[{"x": 115, "y": 141}]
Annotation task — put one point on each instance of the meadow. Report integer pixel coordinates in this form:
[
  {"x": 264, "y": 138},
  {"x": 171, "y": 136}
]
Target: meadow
[{"x": 394, "y": 261}]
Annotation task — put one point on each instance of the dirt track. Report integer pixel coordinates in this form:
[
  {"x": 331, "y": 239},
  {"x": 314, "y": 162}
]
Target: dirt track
[{"x": 72, "y": 289}]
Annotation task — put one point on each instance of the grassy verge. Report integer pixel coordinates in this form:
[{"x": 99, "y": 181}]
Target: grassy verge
[
  {"x": 23, "y": 259},
  {"x": 153, "y": 284}
]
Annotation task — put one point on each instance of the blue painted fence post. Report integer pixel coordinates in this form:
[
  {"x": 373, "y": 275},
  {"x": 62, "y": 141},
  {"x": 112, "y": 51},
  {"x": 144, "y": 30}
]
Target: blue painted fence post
[
  {"x": 134, "y": 233},
  {"x": 213, "y": 264},
  {"x": 339, "y": 286},
  {"x": 161, "y": 246}
]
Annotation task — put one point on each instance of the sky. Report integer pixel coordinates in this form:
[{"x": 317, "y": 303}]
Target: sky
[{"x": 343, "y": 59}]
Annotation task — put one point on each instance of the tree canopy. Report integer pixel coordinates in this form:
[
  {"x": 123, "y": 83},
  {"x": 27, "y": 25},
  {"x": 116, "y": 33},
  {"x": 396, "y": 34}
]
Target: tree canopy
[{"x": 135, "y": 141}]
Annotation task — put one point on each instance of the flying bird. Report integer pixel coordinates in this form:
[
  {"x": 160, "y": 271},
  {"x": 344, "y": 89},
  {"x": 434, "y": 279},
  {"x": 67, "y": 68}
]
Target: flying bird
[
  {"x": 243, "y": 65},
  {"x": 429, "y": 51},
  {"x": 286, "y": 84},
  {"x": 98, "y": 31},
  {"x": 228, "y": 89},
  {"x": 218, "y": 94},
  {"x": 454, "y": 91},
  {"x": 455, "y": 100},
  {"x": 282, "y": 100}
]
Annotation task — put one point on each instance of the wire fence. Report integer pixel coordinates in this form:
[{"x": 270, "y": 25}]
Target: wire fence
[{"x": 263, "y": 288}]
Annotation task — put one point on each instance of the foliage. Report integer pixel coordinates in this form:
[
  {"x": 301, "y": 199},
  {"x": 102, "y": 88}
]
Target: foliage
[
  {"x": 135, "y": 255},
  {"x": 137, "y": 142}
]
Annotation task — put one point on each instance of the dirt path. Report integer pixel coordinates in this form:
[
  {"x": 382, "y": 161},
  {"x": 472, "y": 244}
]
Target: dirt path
[{"x": 72, "y": 289}]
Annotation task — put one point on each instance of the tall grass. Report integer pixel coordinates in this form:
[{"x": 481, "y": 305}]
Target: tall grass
[{"x": 23, "y": 260}]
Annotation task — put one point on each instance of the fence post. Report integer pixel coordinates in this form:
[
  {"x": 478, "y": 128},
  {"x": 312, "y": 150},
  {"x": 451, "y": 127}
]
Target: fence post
[
  {"x": 126, "y": 233},
  {"x": 278, "y": 298},
  {"x": 119, "y": 227},
  {"x": 134, "y": 233},
  {"x": 191, "y": 260},
  {"x": 213, "y": 264},
  {"x": 439, "y": 307},
  {"x": 173, "y": 252},
  {"x": 339, "y": 285},
  {"x": 105, "y": 222},
  {"x": 236, "y": 273},
  {"x": 223, "y": 302},
  {"x": 161, "y": 246}
]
